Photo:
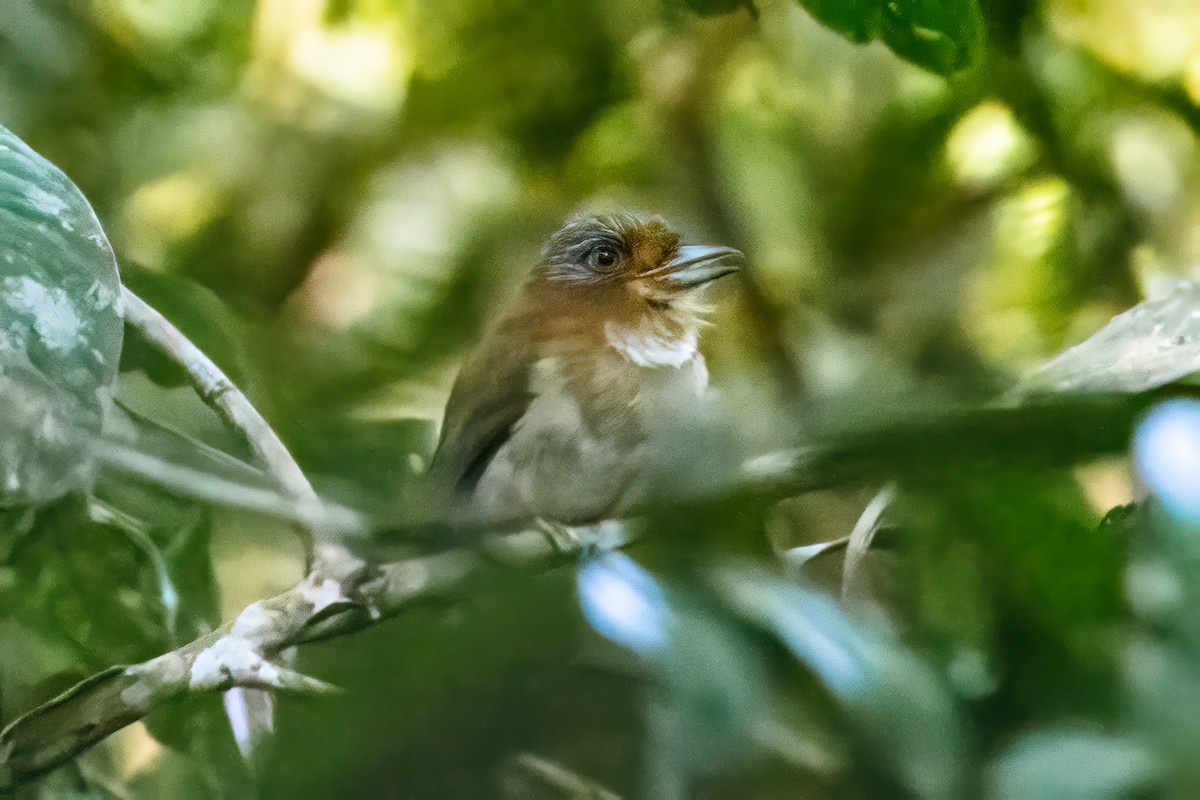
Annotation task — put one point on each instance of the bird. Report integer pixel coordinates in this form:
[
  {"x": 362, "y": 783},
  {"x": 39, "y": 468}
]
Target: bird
[{"x": 552, "y": 415}]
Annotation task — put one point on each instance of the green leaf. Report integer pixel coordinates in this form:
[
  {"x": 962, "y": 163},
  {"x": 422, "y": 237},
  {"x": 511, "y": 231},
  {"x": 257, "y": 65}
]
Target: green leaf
[
  {"x": 944, "y": 36},
  {"x": 60, "y": 327},
  {"x": 1153, "y": 344},
  {"x": 91, "y": 588},
  {"x": 897, "y": 703},
  {"x": 1073, "y": 762}
]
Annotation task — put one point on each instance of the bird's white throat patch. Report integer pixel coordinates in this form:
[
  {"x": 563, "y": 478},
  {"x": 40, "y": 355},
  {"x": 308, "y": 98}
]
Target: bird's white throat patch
[{"x": 657, "y": 347}]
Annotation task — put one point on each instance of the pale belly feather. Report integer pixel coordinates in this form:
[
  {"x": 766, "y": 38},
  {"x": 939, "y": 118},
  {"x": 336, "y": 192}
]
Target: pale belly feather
[{"x": 559, "y": 466}]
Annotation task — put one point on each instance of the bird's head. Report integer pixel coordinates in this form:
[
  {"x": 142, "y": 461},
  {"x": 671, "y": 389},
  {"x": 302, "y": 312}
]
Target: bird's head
[
  {"x": 643, "y": 258},
  {"x": 629, "y": 283}
]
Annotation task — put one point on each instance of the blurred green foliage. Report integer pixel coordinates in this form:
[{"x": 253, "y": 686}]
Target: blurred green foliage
[{"x": 331, "y": 197}]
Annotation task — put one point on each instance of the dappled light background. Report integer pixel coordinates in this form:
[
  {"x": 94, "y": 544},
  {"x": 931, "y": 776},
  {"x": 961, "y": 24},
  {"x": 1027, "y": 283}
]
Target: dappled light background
[
  {"x": 362, "y": 183},
  {"x": 333, "y": 197}
]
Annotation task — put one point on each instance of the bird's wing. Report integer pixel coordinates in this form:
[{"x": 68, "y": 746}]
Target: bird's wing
[{"x": 491, "y": 394}]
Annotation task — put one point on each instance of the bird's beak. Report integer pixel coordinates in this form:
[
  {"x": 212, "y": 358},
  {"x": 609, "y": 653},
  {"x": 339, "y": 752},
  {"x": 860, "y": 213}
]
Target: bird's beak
[{"x": 696, "y": 265}]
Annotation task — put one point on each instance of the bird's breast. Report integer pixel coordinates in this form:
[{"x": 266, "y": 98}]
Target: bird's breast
[{"x": 578, "y": 454}]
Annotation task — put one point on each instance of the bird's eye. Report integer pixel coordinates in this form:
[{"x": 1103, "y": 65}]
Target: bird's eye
[{"x": 604, "y": 257}]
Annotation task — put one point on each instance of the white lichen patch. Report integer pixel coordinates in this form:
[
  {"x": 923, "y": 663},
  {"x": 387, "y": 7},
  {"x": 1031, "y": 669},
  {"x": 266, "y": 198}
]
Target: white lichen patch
[
  {"x": 138, "y": 695},
  {"x": 55, "y": 320},
  {"x": 322, "y": 595},
  {"x": 104, "y": 396},
  {"x": 231, "y": 659},
  {"x": 164, "y": 672},
  {"x": 50, "y": 429},
  {"x": 254, "y": 620},
  {"x": 12, "y": 478}
]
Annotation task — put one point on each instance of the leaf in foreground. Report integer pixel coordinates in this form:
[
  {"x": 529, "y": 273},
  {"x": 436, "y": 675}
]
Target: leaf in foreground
[
  {"x": 60, "y": 327},
  {"x": 1155, "y": 343}
]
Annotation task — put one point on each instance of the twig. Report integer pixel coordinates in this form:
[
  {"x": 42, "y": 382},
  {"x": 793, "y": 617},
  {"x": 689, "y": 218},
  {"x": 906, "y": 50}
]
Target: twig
[
  {"x": 219, "y": 392},
  {"x": 529, "y": 775},
  {"x": 854, "y": 582},
  {"x": 799, "y": 556},
  {"x": 307, "y": 511}
]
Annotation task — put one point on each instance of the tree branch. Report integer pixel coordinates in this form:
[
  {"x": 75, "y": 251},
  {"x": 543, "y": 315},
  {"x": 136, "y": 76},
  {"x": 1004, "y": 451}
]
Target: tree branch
[{"x": 308, "y": 512}]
